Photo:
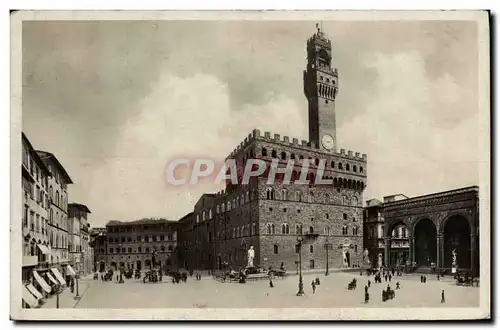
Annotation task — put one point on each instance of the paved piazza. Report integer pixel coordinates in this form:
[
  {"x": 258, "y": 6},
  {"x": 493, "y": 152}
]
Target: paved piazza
[{"x": 332, "y": 292}]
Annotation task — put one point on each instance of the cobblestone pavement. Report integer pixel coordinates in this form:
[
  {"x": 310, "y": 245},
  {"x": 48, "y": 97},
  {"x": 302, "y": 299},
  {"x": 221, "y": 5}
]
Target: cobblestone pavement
[{"x": 332, "y": 292}]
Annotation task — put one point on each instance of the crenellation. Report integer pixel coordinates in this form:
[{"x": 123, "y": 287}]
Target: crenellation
[
  {"x": 363, "y": 156},
  {"x": 312, "y": 145},
  {"x": 277, "y": 137},
  {"x": 295, "y": 141},
  {"x": 342, "y": 152},
  {"x": 267, "y": 135},
  {"x": 286, "y": 139},
  {"x": 349, "y": 153},
  {"x": 256, "y": 133},
  {"x": 357, "y": 154},
  {"x": 303, "y": 143}
]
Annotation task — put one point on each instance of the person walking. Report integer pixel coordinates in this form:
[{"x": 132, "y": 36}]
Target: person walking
[
  {"x": 442, "y": 297},
  {"x": 397, "y": 286},
  {"x": 369, "y": 283},
  {"x": 313, "y": 284},
  {"x": 271, "y": 285}
]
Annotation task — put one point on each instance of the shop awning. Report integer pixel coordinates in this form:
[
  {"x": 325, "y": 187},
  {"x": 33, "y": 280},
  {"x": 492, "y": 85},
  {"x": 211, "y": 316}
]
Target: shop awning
[
  {"x": 58, "y": 276},
  {"x": 28, "y": 298},
  {"x": 42, "y": 282},
  {"x": 71, "y": 271},
  {"x": 43, "y": 248},
  {"x": 52, "y": 279},
  {"x": 34, "y": 291}
]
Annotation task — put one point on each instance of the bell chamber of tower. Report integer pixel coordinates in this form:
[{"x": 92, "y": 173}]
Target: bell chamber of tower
[{"x": 321, "y": 88}]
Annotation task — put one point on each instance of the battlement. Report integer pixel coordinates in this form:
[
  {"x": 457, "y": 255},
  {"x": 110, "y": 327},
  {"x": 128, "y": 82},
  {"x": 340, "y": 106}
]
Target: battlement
[{"x": 285, "y": 140}]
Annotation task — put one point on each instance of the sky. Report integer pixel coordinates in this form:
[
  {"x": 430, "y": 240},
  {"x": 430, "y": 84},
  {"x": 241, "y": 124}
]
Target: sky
[{"x": 115, "y": 101}]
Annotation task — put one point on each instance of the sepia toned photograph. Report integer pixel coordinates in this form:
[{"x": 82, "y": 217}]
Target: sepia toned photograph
[{"x": 251, "y": 165}]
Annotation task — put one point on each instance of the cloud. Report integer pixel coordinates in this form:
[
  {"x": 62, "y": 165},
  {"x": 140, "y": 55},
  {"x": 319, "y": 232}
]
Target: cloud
[
  {"x": 180, "y": 117},
  {"x": 409, "y": 151}
]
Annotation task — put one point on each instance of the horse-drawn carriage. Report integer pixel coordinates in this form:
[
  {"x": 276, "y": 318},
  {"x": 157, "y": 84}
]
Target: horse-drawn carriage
[
  {"x": 388, "y": 294},
  {"x": 465, "y": 280},
  {"x": 151, "y": 276},
  {"x": 352, "y": 285},
  {"x": 128, "y": 273},
  {"x": 137, "y": 274},
  {"x": 109, "y": 275}
]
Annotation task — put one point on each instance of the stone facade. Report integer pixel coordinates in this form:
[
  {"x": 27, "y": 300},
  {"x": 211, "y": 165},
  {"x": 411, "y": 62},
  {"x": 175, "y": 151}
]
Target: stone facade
[
  {"x": 130, "y": 245},
  {"x": 451, "y": 220},
  {"x": 58, "y": 211},
  {"x": 268, "y": 216}
]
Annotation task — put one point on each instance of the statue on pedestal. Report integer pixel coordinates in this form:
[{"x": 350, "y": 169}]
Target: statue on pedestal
[
  {"x": 345, "y": 262},
  {"x": 250, "y": 256},
  {"x": 453, "y": 259},
  {"x": 366, "y": 257},
  {"x": 379, "y": 261}
]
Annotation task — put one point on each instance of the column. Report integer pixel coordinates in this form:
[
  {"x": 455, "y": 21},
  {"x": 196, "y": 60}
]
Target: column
[
  {"x": 472, "y": 253},
  {"x": 438, "y": 252},
  {"x": 412, "y": 250},
  {"x": 387, "y": 253}
]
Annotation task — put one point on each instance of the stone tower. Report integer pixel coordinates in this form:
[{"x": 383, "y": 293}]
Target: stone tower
[{"x": 321, "y": 88}]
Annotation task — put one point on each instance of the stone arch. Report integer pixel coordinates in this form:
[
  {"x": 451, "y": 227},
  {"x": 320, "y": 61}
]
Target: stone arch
[
  {"x": 425, "y": 241},
  {"x": 452, "y": 214},
  {"x": 456, "y": 236}
]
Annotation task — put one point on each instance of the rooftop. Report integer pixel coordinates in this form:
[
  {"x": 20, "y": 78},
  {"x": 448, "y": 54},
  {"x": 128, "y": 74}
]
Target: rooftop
[
  {"x": 47, "y": 156},
  {"x": 81, "y": 207},
  {"x": 140, "y": 222}
]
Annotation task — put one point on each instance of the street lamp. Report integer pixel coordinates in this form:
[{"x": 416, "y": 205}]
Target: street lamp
[
  {"x": 77, "y": 293},
  {"x": 327, "y": 247},
  {"x": 301, "y": 284}
]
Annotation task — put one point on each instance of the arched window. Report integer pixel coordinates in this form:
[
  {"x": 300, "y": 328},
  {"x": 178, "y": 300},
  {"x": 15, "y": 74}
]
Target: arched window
[
  {"x": 354, "y": 201},
  {"x": 347, "y": 167},
  {"x": 354, "y": 231},
  {"x": 298, "y": 229},
  {"x": 210, "y": 214},
  {"x": 354, "y": 169},
  {"x": 264, "y": 152},
  {"x": 298, "y": 196},
  {"x": 327, "y": 230},
  {"x": 285, "y": 229},
  {"x": 247, "y": 196},
  {"x": 355, "y": 248},
  {"x": 270, "y": 193},
  {"x": 57, "y": 198},
  {"x": 311, "y": 249},
  {"x": 229, "y": 206},
  {"x": 218, "y": 209},
  {"x": 344, "y": 200},
  {"x": 283, "y": 155},
  {"x": 235, "y": 203},
  {"x": 344, "y": 230},
  {"x": 274, "y": 154},
  {"x": 340, "y": 166},
  {"x": 253, "y": 228},
  {"x": 223, "y": 207},
  {"x": 311, "y": 230},
  {"x": 269, "y": 229},
  {"x": 284, "y": 195},
  {"x": 242, "y": 199},
  {"x": 203, "y": 216},
  {"x": 361, "y": 169},
  {"x": 197, "y": 218},
  {"x": 275, "y": 248},
  {"x": 292, "y": 156}
]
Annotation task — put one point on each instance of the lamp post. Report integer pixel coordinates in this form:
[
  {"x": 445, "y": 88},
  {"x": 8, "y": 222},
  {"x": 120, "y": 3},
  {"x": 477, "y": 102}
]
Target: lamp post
[
  {"x": 77, "y": 293},
  {"x": 327, "y": 247},
  {"x": 58, "y": 289},
  {"x": 301, "y": 284}
]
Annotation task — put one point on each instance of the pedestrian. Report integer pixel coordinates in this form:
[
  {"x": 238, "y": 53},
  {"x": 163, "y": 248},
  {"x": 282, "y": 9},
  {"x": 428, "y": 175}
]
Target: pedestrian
[
  {"x": 369, "y": 283},
  {"x": 442, "y": 297},
  {"x": 393, "y": 271},
  {"x": 390, "y": 277},
  {"x": 271, "y": 285},
  {"x": 438, "y": 277},
  {"x": 366, "y": 288},
  {"x": 421, "y": 279},
  {"x": 425, "y": 279},
  {"x": 385, "y": 277},
  {"x": 367, "y": 297},
  {"x": 313, "y": 286},
  {"x": 397, "y": 286}
]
